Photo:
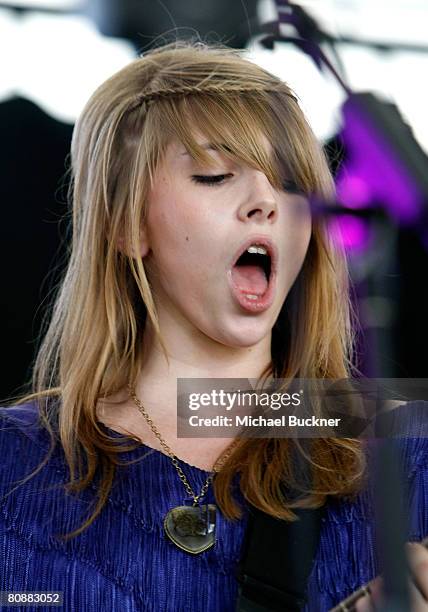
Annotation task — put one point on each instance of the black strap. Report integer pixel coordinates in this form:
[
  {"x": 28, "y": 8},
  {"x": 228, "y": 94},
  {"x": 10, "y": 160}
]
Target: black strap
[{"x": 277, "y": 560}]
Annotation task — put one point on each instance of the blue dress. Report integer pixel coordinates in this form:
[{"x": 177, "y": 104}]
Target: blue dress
[{"x": 124, "y": 561}]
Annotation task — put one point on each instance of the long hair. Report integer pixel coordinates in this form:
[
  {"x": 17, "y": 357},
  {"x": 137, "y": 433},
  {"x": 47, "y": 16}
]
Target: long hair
[{"x": 93, "y": 345}]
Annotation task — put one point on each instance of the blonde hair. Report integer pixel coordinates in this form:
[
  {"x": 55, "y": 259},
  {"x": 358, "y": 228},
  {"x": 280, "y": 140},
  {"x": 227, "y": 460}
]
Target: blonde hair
[{"x": 93, "y": 345}]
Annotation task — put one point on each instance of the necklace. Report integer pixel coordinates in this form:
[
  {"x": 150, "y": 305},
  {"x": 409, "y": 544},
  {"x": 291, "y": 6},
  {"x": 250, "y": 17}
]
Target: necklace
[{"x": 191, "y": 528}]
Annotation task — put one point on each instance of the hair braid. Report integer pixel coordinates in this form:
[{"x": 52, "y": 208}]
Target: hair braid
[{"x": 148, "y": 98}]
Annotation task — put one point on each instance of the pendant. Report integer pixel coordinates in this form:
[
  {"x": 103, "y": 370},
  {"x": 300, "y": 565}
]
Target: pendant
[{"x": 191, "y": 528}]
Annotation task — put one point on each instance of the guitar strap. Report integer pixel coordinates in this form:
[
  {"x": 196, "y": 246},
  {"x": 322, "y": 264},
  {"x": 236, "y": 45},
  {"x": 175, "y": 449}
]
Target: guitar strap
[
  {"x": 277, "y": 555},
  {"x": 277, "y": 559}
]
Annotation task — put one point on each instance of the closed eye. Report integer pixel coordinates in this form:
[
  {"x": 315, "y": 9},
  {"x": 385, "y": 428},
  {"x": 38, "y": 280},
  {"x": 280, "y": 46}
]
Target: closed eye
[
  {"x": 291, "y": 187},
  {"x": 210, "y": 180}
]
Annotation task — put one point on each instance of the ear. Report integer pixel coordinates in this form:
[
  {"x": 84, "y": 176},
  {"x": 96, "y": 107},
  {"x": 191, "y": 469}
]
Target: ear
[
  {"x": 144, "y": 242},
  {"x": 144, "y": 245}
]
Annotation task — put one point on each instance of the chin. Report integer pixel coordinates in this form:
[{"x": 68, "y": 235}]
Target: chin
[{"x": 243, "y": 335}]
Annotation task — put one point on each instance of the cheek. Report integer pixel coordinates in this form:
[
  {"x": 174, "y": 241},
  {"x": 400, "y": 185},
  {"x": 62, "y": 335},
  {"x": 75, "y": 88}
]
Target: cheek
[
  {"x": 173, "y": 229},
  {"x": 297, "y": 234},
  {"x": 165, "y": 224}
]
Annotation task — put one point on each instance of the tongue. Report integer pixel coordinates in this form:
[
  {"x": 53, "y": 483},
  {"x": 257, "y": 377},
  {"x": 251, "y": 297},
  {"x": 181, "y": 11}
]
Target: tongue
[{"x": 250, "y": 279}]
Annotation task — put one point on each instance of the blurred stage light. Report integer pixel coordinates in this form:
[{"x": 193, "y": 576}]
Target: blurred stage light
[{"x": 384, "y": 163}]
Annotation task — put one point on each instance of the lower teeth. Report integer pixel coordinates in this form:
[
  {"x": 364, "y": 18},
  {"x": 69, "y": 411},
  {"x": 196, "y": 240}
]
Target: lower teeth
[{"x": 251, "y": 296}]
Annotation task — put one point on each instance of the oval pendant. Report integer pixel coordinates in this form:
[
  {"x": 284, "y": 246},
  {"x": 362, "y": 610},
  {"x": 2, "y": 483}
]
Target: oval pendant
[{"x": 191, "y": 528}]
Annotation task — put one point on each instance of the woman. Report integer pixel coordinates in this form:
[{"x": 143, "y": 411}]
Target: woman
[{"x": 181, "y": 162}]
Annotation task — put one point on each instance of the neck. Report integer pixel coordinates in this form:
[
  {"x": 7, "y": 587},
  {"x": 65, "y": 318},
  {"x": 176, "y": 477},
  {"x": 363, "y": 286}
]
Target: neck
[
  {"x": 197, "y": 356},
  {"x": 192, "y": 355}
]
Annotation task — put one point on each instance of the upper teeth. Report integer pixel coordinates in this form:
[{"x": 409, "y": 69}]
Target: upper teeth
[{"x": 257, "y": 249}]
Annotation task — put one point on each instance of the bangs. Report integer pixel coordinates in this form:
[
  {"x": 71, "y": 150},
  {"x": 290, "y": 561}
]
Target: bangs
[
  {"x": 238, "y": 126},
  {"x": 264, "y": 130}
]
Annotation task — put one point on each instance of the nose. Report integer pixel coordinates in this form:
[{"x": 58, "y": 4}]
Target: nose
[{"x": 259, "y": 202}]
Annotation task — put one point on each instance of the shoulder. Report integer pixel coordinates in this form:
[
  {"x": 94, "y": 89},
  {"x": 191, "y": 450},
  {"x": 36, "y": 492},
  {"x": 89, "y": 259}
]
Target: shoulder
[
  {"x": 24, "y": 442},
  {"x": 411, "y": 424},
  {"x": 399, "y": 434},
  {"x": 412, "y": 414},
  {"x": 23, "y": 413},
  {"x": 21, "y": 420},
  {"x": 407, "y": 424}
]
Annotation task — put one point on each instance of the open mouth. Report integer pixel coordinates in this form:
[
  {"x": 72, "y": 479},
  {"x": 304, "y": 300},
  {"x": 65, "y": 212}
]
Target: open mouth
[
  {"x": 252, "y": 271},
  {"x": 253, "y": 274}
]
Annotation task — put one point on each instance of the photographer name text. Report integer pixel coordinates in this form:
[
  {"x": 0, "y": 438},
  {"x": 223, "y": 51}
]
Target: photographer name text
[{"x": 261, "y": 421}]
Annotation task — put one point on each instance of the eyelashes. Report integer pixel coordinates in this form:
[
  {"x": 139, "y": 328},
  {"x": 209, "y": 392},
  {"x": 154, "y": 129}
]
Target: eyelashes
[
  {"x": 218, "y": 179},
  {"x": 291, "y": 187},
  {"x": 215, "y": 179}
]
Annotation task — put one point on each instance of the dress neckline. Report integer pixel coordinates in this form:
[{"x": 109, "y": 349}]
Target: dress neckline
[{"x": 118, "y": 434}]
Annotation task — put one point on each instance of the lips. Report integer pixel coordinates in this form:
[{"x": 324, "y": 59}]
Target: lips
[{"x": 254, "y": 300}]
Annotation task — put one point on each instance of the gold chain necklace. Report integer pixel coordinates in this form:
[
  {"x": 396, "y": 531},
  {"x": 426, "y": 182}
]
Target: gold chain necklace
[{"x": 191, "y": 528}]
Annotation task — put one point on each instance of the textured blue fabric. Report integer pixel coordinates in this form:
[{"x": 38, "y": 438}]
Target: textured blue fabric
[{"x": 124, "y": 562}]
